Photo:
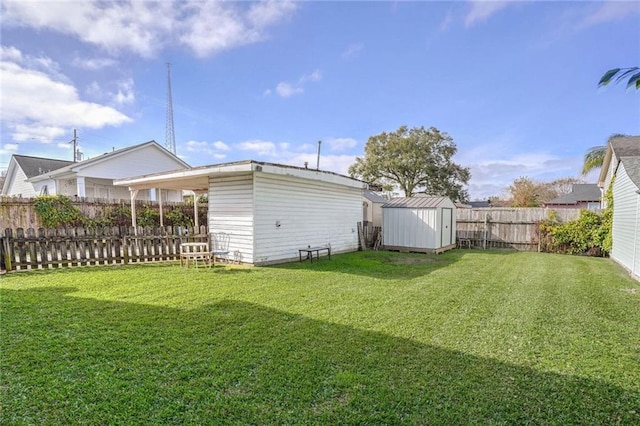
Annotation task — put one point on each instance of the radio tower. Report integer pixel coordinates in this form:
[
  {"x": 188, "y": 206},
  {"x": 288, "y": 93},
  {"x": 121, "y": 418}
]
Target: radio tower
[{"x": 170, "y": 135}]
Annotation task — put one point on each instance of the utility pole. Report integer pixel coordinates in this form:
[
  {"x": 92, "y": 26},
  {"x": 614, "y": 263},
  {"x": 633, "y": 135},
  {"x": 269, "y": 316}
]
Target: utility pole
[
  {"x": 170, "y": 135},
  {"x": 318, "y": 162},
  {"x": 75, "y": 145}
]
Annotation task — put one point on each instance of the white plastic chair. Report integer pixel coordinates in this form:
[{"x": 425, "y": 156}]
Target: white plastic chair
[{"x": 220, "y": 246}]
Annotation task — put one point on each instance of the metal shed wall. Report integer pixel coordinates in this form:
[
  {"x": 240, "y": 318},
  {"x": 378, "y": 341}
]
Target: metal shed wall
[{"x": 419, "y": 228}]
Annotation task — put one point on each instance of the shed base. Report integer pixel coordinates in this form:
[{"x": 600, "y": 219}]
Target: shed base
[{"x": 403, "y": 249}]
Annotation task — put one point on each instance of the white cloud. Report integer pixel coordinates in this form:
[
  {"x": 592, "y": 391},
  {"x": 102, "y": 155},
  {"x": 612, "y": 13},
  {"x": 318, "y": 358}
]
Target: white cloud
[
  {"x": 9, "y": 148},
  {"x": 285, "y": 90},
  {"x": 125, "y": 94},
  {"x": 93, "y": 64},
  {"x": 340, "y": 144},
  {"x": 352, "y": 50},
  {"x": 297, "y": 155},
  {"x": 482, "y": 10},
  {"x": 610, "y": 11},
  {"x": 215, "y": 149},
  {"x": 446, "y": 21},
  {"x": 38, "y": 105},
  {"x": 146, "y": 27},
  {"x": 259, "y": 147},
  {"x": 498, "y": 169}
]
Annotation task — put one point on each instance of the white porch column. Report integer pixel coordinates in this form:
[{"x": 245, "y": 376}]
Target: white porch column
[
  {"x": 134, "y": 194},
  {"x": 159, "y": 197},
  {"x": 195, "y": 211},
  {"x": 80, "y": 191}
]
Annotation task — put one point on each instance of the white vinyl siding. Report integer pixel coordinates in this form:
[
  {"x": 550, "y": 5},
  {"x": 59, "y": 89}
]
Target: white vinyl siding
[
  {"x": 308, "y": 212},
  {"x": 18, "y": 186},
  {"x": 626, "y": 222},
  {"x": 231, "y": 211}
]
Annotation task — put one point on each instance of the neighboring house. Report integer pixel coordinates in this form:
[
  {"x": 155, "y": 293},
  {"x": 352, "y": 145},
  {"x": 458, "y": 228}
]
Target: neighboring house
[
  {"x": 94, "y": 177},
  {"x": 271, "y": 210},
  {"x": 372, "y": 207},
  {"x": 23, "y": 167},
  {"x": 421, "y": 223},
  {"x": 582, "y": 196},
  {"x": 621, "y": 167}
]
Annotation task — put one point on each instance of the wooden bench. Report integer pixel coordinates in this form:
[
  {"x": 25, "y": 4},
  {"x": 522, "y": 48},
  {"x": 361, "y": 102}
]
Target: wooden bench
[
  {"x": 194, "y": 252},
  {"x": 311, "y": 250}
]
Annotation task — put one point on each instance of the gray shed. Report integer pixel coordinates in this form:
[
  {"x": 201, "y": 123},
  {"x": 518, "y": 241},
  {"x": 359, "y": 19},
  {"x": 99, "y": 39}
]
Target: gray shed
[{"x": 422, "y": 223}]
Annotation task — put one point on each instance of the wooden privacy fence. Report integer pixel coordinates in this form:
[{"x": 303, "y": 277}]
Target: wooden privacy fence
[
  {"x": 495, "y": 227},
  {"x": 62, "y": 248}
]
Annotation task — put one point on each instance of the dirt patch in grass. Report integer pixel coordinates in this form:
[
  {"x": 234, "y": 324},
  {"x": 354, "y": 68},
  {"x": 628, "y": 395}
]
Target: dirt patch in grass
[
  {"x": 410, "y": 260},
  {"x": 630, "y": 290}
]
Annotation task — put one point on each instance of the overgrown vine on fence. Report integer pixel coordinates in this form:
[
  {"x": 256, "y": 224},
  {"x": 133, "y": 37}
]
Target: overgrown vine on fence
[{"x": 57, "y": 211}]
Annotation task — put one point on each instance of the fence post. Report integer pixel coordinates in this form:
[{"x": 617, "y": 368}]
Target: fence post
[{"x": 6, "y": 247}]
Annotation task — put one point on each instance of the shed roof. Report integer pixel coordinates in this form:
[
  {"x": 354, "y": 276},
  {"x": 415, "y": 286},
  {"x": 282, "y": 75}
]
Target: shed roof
[
  {"x": 373, "y": 197},
  {"x": 417, "y": 202},
  {"x": 34, "y": 166},
  {"x": 632, "y": 167},
  {"x": 579, "y": 192}
]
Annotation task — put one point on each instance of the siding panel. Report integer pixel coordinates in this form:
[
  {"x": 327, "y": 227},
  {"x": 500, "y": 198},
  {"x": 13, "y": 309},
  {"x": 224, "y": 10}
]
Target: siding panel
[
  {"x": 231, "y": 211},
  {"x": 309, "y": 213},
  {"x": 625, "y": 222}
]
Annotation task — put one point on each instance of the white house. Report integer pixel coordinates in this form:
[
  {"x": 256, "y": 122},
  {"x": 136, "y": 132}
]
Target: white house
[
  {"x": 422, "y": 223},
  {"x": 94, "y": 177},
  {"x": 23, "y": 167},
  {"x": 621, "y": 166},
  {"x": 270, "y": 210}
]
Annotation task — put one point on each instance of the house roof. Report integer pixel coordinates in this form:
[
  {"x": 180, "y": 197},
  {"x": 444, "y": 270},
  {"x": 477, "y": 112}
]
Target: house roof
[
  {"x": 580, "y": 192},
  {"x": 197, "y": 178},
  {"x": 621, "y": 146},
  {"x": 34, "y": 166},
  {"x": 417, "y": 202},
  {"x": 632, "y": 167},
  {"x": 75, "y": 167},
  {"x": 373, "y": 197}
]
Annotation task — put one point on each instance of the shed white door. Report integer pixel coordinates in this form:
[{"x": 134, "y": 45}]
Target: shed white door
[{"x": 446, "y": 227}]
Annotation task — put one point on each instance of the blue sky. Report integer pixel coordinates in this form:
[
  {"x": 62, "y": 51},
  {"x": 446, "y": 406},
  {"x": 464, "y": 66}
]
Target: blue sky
[{"x": 513, "y": 83}]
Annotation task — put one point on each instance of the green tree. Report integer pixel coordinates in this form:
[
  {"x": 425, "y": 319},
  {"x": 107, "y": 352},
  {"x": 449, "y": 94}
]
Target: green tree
[
  {"x": 632, "y": 73},
  {"x": 594, "y": 156},
  {"x": 413, "y": 159}
]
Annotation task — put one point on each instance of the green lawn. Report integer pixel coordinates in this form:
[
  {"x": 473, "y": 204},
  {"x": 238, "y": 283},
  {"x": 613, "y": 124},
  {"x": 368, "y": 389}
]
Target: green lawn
[{"x": 363, "y": 338}]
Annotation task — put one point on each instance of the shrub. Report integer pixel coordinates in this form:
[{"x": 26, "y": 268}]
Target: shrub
[{"x": 56, "y": 211}]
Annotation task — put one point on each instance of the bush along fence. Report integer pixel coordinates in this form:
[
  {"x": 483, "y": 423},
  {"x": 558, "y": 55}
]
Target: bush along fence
[{"x": 33, "y": 249}]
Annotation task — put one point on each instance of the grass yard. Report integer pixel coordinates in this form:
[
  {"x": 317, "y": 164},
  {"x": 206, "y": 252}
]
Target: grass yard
[{"x": 365, "y": 338}]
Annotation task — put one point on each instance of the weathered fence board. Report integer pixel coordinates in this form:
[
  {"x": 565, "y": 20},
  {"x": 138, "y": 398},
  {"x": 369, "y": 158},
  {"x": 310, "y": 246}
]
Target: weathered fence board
[
  {"x": 506, "y": 227},
  {"x": 63, "y": 248}
]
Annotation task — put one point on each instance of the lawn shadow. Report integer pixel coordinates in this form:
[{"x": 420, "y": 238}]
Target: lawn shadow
[
  {"x": 67, "y": 359},
  {"x": 386, "y": 265}
]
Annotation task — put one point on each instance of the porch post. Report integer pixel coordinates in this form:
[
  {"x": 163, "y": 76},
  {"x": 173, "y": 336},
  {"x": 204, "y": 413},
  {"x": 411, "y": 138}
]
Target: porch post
[
  {"x": 195, "y": 211},
  {"x": 80, "y": 191},
  {"x": 159, "y": 197},
  {"x": 134, "y": 194}
]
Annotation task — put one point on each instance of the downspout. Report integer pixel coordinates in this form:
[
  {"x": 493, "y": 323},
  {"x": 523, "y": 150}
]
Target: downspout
[
  {"x": 159, "y": 197},
  {"x": 134, "y": 194}
]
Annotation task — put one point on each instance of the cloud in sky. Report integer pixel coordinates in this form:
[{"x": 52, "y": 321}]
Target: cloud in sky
[
  {"x": 286, "y": 89},
  {"x": 610, "y": 11},
  {"x": 146, "y": 27},
  {"x": 217, "y": 150},
  {"x": 482, "y": 10},
  {"x": 92, "y": 64},
  {"x": 37, "y": 105},
  {"x": 352, "y": 50}
]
